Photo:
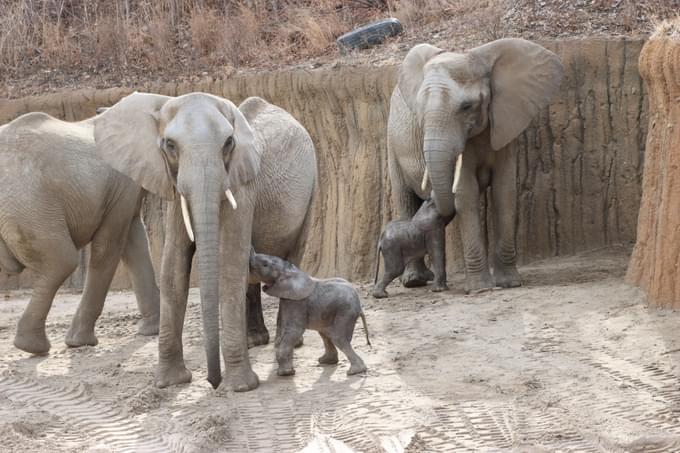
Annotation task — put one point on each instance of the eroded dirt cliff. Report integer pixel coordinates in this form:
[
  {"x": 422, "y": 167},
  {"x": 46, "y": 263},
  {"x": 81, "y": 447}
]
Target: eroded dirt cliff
[
  {"x": 656, "y": 256},
  {"x": 579, "y": 163}
]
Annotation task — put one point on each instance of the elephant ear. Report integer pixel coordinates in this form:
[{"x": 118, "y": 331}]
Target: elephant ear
[
  {"x": 126, "y": 137},
  {"x": 293, "y": 284},
  {"x": 244, "y": 163},
  {"x": 411, "y": 72},
  {"x": 524, "y": 78}
]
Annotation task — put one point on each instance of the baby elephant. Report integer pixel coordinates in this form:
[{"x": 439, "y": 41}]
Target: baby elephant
[
  {"x": 331, "y": 307},
  {"x": 406, "y": 240}
]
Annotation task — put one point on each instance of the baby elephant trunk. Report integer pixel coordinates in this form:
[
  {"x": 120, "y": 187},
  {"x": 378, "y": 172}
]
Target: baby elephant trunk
[{"x": 363, "y": 320}]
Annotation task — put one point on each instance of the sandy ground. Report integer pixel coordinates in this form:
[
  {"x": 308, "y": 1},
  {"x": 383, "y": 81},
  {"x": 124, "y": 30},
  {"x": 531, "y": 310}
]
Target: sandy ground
[{"x": 572, "y": 361}]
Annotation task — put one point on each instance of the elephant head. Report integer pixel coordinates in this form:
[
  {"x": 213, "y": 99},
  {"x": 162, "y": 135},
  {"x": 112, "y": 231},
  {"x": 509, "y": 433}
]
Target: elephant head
[
  {"x": 198, "y": 146},
  {"x": 499, "y": 86},
  {"x": 281, "y": 278}
]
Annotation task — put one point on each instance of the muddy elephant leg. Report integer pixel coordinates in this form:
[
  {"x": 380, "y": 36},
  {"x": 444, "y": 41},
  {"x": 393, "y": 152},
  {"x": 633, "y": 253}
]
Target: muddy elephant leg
[
  {"x": 356, "y": 364},
  {"x": 55, "y": 268},
  {"x": 284, "y": 352},
  {"x": 436, "y": 245},
  {"x": 257, "y": 330},
  {"x": 330, "y": 357},
  {"x": 416, "y": 273},
  {"x": 504, "y": 195},
  {"x": 394, "y": 267},
  {"x": 178, "y": 251},
  {"x": 477, "y": 275},
  {"x": 140, "y": 270},
  {"x": 235, "y": 237},
  {"x": 105, "y": 252}
]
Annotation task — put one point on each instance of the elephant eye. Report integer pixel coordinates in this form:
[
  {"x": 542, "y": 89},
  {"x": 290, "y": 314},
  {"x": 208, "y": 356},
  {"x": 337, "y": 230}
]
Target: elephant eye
[
  {"x": 228, "y": 144},
  {"x": 169, "y": 145},
  {"x": 466, "y": 106}
]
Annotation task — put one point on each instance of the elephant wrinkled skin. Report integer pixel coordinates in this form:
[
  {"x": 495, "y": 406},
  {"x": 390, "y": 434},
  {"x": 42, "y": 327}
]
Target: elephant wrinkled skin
[
  {"x": 198, "y": 151},
  {"x": 472, "y": 104},
  {"x": 56, "y": 197}
]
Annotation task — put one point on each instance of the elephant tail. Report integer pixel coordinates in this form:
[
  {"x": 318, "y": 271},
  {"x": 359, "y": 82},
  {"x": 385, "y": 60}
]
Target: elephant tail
[
  {"x": 363, "y": 321},
  {"x": 378, "y": 249}
]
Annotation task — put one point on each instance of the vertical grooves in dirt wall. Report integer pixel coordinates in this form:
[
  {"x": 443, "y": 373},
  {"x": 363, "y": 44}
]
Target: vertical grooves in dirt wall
[
  {"x": 579, "y": 163},
  {"x": 655, "y": 260}
]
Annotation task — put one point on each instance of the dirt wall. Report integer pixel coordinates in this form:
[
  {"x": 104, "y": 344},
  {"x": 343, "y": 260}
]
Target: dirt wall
[
  {"x": 654, "y": 263},
  {"x": 579, "y": 163}
]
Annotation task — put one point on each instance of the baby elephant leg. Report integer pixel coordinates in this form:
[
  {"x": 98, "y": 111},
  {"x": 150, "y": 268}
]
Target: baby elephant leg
[
  {"x": 330, "y": 357},
  {"x": 341, "y": 335},
  {"x": 284, "y": 351},
  {"x": 394, "y": 267}
]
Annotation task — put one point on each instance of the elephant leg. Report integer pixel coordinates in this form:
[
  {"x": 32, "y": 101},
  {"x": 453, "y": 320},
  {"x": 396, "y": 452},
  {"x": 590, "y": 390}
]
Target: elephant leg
[
  {"x": 344, "y": 344},
  {"x": 257, "y": 330},
  {"x": 416, "y": 273},
  {"x": 394, "y": 267},
  {"x": 54, "y": 270},
  {"x": 477, "y": 275},
  {"x": 8, "y": 263},
  {"x": 284, "y": 352},
  {"x": 140, "y": 269},
  {"x": 105, "y": 252},
  {"x": 330, "y": 357},
  {"x": 504, "y": 195},
  {"x": 178, "y": 251},
  {"x": 436, "y": 245},
  {"x": 235, "y": 238}
]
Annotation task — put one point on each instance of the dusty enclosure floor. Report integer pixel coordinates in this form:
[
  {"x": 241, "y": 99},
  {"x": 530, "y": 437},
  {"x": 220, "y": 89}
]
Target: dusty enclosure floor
[{"x": 572, "y": 361}]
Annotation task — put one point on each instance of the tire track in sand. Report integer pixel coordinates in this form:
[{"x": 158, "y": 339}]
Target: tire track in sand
[{"x": 95, "y": 420}]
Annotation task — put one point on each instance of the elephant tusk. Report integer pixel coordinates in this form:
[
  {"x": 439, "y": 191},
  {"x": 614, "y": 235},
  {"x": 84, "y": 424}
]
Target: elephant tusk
[
  {"x": 187, "y": 219},
  {"x": 456, "y": 174},
  {"x": 423, "y": 185},
  {"x": 230, "y": 197}
]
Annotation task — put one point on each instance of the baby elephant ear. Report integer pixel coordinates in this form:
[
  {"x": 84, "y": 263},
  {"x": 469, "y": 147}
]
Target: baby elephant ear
[{"x": 293, "y": 285}]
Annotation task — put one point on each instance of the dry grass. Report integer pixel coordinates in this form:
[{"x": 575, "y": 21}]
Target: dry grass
[
  {"x": 129, "y": 33},
  {"x": 669, "y": 28},
  {"x": 57, "y": 43}
]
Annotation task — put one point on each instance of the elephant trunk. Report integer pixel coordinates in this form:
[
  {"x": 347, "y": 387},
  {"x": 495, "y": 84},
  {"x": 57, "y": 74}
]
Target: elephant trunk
[
  {"x": 205, "y": 199},
  {"x": 442, "y": 145}
]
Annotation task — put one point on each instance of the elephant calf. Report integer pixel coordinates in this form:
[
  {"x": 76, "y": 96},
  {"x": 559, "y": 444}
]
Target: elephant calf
[
  {"x": 404, "y": 241},
  {"x": 330, "y": 306}
]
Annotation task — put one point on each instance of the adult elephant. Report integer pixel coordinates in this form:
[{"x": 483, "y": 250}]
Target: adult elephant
[
  {"x": 200, "y": 150},
  {"x": 463, "y": 109},
  {"x": 57, "y": 196}
]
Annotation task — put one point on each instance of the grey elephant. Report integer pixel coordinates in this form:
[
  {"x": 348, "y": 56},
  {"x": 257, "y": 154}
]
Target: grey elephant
[
  {"x": 463, "y": 109},
  {"x": 329, "y": 306},
  {"x": 235, "y": 177},
  {"x": 57, "y": 196},
  {"x": 403, "y": 241}
]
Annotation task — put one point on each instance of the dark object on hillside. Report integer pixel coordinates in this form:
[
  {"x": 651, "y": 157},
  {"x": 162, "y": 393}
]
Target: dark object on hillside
[{"x": 370, "y": 35}]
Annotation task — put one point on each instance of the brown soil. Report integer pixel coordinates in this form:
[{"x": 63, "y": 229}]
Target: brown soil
[
  {"x": 451, "y": 24},
  {"x": 572, "y": 361}
]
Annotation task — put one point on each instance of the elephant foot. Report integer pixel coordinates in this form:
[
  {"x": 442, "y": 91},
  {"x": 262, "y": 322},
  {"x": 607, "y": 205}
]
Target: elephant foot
[
  {"x": 507, "y": 276},
  {"x": 148, "y": 326},
  {"x": 258, "y": 338},
  {"x": 329, "y": 359},
  {"x": 477, "y": 283},
  {"x": 36, "y": 343},
  {"x": 439, "y": 287},
  {"x": 380, "y": 294},
  {"x": 240, "y": 378},
  {"x": 288, "y": 371},
  {"x": 356, "y": 368},
  {"x": 77, "y": 337},
  {"x": 172, "y": 375}
]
